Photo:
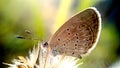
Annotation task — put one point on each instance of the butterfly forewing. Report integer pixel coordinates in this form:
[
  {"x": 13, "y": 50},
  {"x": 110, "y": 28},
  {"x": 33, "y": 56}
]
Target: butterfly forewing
[{"x": 78, "y": 35}]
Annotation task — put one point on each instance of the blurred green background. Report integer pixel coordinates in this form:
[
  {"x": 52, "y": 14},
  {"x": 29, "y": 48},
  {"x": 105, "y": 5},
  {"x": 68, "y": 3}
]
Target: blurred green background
[{"x": 43, "y": 17}]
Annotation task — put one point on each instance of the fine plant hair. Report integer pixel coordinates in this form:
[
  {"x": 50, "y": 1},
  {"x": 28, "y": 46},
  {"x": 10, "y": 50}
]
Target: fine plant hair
[{"x": 39, "y": 59}]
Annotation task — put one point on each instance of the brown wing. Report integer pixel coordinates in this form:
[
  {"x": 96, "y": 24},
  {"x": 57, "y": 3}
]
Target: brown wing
[{"x": 78, "y": 35}]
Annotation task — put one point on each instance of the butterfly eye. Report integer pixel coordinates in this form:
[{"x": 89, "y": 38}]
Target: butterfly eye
[{"x": 45, "y": 44}]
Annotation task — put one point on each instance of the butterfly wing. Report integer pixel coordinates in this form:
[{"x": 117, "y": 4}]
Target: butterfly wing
[{"x": 78, "y": 35}]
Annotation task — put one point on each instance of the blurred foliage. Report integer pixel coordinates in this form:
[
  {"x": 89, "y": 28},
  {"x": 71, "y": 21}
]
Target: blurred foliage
[
  {"x": 16, "y": 16},
  {"x": 43, "y": 18}
]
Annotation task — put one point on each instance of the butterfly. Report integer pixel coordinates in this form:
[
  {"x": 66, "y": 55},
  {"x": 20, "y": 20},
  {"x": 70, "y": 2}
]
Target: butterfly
[{"x": 76, "y": 37}]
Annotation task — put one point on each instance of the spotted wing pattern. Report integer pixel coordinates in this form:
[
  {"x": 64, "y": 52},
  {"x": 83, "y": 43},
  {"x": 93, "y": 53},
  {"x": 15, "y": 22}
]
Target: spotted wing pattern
[{"x": 78, "y": 35}]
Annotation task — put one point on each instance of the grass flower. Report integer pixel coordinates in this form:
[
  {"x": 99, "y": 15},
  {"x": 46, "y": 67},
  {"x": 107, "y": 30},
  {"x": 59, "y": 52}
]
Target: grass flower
[{"x": 38, "y": 59}]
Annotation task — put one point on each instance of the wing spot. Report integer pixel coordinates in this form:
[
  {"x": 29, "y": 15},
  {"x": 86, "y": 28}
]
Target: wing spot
[
  {"x": 68, "y": 33},
  {"x": 58, "y": 39},
  {"x": 68, "y": 29},
  {"x": 77, "y": 37},
  {"x": 72, "y": 53},
  {"x": 75, "y": 47},
  {"x": 89, "y": 33},
  {"x": 87, "y": 29},
  {"x": 75, "y": 44},
  {"x": 90, "y": 38},
  {"x": 83, "y": 25}
]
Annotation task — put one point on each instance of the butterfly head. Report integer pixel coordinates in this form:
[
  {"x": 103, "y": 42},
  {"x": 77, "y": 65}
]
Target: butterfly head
[{"x": 44, "y": 46}]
